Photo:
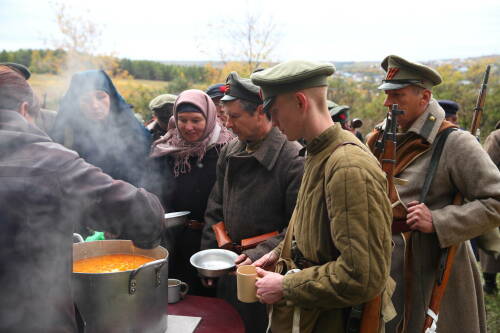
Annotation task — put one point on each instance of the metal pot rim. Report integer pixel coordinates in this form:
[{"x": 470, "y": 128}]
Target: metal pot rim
[{"x": 122, "y": 241}]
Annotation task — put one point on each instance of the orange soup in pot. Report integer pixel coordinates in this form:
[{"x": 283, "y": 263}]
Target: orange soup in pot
[{"x": 110, "y": 263}]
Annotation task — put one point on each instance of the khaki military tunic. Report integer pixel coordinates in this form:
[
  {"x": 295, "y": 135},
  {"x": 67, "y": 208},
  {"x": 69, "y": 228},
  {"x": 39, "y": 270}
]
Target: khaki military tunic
[
  {"x": 466, "y": 168},
  {"x": 341, "y": 222}
]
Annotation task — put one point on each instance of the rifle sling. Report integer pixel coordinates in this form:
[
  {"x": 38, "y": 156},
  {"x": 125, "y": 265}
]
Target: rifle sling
[
  {"x": 408, "y": 149},
  {"x": 429, "y": 177},
  {"x": 436, "y": 156}
]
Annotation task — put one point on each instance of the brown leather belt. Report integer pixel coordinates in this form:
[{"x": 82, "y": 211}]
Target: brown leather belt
[{"x": 195, "y": 225}]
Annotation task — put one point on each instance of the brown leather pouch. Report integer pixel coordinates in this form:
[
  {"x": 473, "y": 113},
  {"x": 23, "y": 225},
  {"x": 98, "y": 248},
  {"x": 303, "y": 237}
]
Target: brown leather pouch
[
  {"x": 249, "y": 243},
  {"x": 223, "y": 240}
]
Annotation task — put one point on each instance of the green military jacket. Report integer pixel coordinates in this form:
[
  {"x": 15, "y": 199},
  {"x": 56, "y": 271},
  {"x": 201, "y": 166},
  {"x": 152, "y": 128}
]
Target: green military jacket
[{"x": 341, "y": 222}]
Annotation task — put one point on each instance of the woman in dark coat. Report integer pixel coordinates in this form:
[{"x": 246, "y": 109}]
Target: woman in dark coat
[
  {"x": 187, "y": 157},
  {"x": 95, "y": 121}
]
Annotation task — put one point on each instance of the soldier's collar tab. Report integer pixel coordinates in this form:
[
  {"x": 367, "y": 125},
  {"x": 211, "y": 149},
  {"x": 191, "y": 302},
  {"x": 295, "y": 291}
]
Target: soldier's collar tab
[{"x": 427, "y": 125}]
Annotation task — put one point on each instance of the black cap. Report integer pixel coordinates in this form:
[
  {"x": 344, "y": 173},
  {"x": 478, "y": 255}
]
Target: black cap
[
  {"x": 239, "y": 88},
  {"x": 21, "y": 69},
  {"x": 216, "y": 90},
  {"x": 450, "y": 107}
]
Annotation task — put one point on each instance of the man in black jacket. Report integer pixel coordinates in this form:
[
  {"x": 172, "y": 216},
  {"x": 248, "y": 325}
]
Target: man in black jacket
[{"x": 258, "y": 177}]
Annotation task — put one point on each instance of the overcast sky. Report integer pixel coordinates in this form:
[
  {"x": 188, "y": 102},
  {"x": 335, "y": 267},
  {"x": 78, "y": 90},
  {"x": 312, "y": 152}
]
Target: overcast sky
[{"x": 341, "y": 30}]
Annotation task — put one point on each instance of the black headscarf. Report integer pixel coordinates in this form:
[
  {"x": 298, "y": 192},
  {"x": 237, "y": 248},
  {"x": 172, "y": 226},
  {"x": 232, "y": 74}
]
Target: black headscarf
[{"x": 118, "y": 144}]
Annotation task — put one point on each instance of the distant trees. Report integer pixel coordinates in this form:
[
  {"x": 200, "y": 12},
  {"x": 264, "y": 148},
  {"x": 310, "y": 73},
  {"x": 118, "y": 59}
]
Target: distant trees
[
  {"x": 354, "y": 85},
  {"x": 79, "y": 36},
  {"x": 461, "y": 83},
  {"x": 242, "y": 44},
  {"x": 251, "y": 40},
  {"x": 364, "y": 99},
  {"x": 153, "y": 70},
  {"x": 53, "y": 61}
]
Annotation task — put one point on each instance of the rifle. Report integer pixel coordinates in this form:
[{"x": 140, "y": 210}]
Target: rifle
[
  {"x": 370, "y": 319},
  {"x": 448, "y": 255},
  {"x": 387, "y": 146}
]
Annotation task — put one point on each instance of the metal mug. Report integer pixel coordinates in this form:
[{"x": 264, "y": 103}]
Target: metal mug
[{"x": 177, "y": 290}]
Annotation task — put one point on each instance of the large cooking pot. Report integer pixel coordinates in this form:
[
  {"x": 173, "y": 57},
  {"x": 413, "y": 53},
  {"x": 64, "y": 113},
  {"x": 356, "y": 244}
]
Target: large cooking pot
[{"x": 130, "y": 301}]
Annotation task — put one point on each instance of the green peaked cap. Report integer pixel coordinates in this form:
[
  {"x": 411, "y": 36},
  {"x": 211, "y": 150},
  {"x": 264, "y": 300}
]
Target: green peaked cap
[
  {"x": 335, "y": 109},
  {"x": 160, "y": 101},
  {"x": 291, "y": 76},
  {"x": 402, "y": 73}
]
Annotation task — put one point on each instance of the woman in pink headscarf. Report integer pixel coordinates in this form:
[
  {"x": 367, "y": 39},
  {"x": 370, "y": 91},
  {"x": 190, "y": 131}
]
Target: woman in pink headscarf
[{"x": 186, "y": 157}]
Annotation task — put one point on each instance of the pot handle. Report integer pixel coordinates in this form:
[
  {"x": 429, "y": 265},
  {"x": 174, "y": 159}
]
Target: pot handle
[
  {"x": 78, "y": 238},
  {"x": 132, "y": 281}
]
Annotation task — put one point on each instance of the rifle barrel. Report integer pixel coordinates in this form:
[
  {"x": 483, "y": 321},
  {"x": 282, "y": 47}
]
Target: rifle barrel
[{"x": 478, "y": 110}]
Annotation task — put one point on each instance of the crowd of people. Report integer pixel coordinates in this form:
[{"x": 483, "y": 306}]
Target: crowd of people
[{"x": 280, "y": 170}]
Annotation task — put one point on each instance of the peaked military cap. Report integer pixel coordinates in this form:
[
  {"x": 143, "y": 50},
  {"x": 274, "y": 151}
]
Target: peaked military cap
[
  {"x": 240, "y": 88},
  {"x": 402, "y": 73},
  {"x": 450, "y": 107},
  {"x": 291, "y": 76},
  {"x": 339, "y": 113},
  {"x": 159, "y": 102},
  {"x": 216, "y": 90},
  {"x": 21, "y": 69}
]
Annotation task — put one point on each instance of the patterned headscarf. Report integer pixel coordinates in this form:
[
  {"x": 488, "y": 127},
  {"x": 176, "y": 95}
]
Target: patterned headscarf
[{"x": 172, "y": 143}]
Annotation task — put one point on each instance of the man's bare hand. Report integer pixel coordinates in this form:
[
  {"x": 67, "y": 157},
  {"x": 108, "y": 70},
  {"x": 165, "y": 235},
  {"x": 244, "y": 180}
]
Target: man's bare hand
[
  {"x": 419, "y": 217},
  {"x": 269, "y": 286},
  {"x": 267, "y": 261},
  {"x": 242, "y": 259}
]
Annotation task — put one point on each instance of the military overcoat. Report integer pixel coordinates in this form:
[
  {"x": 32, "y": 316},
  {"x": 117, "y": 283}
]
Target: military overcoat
[
  {"x": 254, "y": 193},
  {"x": 466, "y": 168},
  {"x": 492, "y": 147}
]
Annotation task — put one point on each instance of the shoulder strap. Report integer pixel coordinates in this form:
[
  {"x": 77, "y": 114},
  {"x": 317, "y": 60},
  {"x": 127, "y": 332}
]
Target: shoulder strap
[{"x": 436, "y": 156}]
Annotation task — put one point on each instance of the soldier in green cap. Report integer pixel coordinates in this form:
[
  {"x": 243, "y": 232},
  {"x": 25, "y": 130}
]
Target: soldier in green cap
[
  {"x": 258, "y": 177},
  {"x": 336, "y": 252},
  {"x": 340, "y": 114},
  {"x": 426, "y": 221},
  {"x": 162, "y": 107}
]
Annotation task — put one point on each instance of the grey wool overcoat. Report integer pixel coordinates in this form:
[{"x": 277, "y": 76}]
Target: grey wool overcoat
[
  {"x": 492, "y": 147},
  {"x": 466, "y": 168}
]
